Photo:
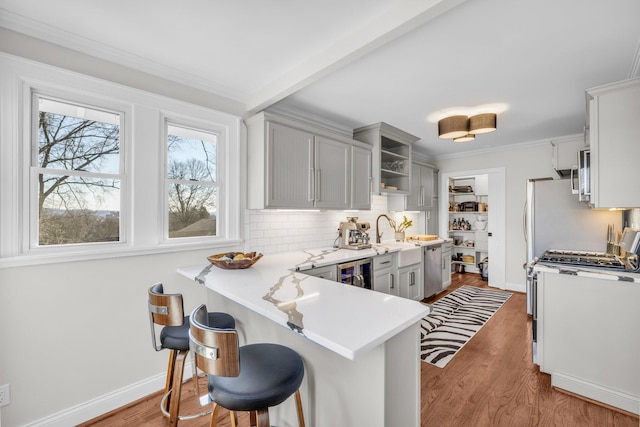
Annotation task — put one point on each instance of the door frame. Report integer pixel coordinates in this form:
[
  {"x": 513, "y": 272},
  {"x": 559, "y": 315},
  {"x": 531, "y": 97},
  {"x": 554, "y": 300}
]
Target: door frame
[{"x": 497, "y": 218}]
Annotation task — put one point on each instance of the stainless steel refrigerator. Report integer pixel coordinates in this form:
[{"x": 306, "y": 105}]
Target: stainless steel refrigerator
[{"x": 555, "y": 219}]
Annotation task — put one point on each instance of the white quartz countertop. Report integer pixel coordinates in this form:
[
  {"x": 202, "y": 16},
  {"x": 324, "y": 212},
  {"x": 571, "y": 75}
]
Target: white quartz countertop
[
  {"x": 328, "y": 256},
  {"x": 588, "y": 272},
  {"x": 345, "y": 319}
]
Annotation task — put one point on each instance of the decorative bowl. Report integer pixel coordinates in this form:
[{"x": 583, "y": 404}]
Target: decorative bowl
[{"x": 226, "y": 262}]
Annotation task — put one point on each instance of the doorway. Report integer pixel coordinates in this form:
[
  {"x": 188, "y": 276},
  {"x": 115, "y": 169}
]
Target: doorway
[{"x": 480, "y": 197}]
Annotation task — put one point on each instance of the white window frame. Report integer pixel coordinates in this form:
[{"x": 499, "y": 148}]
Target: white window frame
[
  {"x": 142, "y": 208},
  {"x": 30, "y": 239},
  {"x": 221, "y": 169}
]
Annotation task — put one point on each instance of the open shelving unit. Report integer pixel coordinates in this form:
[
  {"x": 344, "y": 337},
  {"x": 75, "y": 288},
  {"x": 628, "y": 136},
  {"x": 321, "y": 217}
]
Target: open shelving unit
[
  {"x": 391, "y": 157},
  {"x": 470, "y": 245},
  {"x": 395, "y": 162}
]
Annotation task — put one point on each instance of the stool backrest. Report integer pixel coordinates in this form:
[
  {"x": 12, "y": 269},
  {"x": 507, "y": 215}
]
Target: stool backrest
[
  {"x": 164, "y": 310},
  {"x": 216, "y": 350}
]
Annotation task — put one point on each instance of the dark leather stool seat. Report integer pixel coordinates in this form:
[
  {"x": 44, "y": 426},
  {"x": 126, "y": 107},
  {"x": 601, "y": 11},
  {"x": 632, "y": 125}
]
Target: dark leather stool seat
[
  {"x": 269, "y": 374},
  {"x": 167, "y": 310},
  {"x": 250, "y": 378}
]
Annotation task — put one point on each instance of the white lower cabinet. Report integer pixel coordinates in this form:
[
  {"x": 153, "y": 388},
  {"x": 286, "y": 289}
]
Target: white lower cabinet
[
  {"x": 410, "y": 282},
  {"x": 588, "y": 337},
  {"x": 384, "y": 274}
]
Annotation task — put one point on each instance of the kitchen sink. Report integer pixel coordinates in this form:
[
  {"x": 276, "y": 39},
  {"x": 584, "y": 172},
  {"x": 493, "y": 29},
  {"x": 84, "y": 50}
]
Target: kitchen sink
[{"x": 408, "y": 254}]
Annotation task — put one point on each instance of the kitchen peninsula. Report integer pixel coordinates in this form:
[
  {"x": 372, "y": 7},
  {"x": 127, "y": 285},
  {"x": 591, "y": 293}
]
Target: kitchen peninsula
[{"x": 360, "y": 347}]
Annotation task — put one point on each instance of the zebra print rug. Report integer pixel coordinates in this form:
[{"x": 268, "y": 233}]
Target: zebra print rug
[{"x": 455, "y": 319}]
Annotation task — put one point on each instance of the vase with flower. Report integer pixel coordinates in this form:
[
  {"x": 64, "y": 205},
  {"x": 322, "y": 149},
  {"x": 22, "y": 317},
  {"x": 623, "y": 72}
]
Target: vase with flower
[{"x": 399, "y": 229}]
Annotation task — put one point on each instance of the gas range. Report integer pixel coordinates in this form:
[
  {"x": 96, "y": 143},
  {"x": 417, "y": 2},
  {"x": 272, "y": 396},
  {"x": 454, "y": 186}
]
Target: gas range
[
  {"x": 583, "y": 259},
  {"x": 629, "y": 261}
]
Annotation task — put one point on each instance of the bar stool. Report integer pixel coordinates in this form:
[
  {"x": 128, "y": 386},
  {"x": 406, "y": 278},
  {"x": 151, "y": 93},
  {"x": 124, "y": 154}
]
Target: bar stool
[
  {"x": 167, "y": 311},
  {"x": 250, "y": 378}
]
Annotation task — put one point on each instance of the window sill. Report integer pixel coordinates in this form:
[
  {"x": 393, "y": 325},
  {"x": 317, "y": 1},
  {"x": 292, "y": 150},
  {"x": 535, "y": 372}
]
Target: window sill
[{"x": 119, "y": 252}]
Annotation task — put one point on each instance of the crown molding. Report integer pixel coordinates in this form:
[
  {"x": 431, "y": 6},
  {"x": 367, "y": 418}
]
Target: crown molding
[
  {"x": 493, "y": 149},
  {"x": 65, "y": 39}
]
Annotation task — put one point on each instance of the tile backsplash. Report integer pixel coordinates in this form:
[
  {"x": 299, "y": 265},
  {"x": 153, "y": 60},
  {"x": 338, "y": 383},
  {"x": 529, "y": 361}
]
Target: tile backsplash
[{"x": 274, "y": 231}]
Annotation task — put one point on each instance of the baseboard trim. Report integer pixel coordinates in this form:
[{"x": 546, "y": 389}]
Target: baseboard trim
[
  {"x": 598, "y": 394},
  {"x": 101, "y": 405},
  {"x": 515, "y": 287}
]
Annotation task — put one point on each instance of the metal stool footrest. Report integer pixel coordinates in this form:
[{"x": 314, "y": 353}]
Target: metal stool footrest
[{"x": 180, "y": 417}]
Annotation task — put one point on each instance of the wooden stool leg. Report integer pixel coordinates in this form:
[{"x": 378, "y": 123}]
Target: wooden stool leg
[
  {"x": 169, "y": 382},
  {"x": 252, "y": 419},
  {"x": 178, "y": 372},
  {"x": 299, "y": 409},
  {"x": 214, "y": 415},
  {"x": 263, "y": 417},
  {"x": 234, "y": 419}
]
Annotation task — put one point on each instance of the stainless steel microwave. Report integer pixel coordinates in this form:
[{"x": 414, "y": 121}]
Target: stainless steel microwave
[{"x": 581, "y": 177}]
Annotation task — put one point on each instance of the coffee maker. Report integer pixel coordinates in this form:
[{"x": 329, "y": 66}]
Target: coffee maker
[{"x": 353, "y": 234}]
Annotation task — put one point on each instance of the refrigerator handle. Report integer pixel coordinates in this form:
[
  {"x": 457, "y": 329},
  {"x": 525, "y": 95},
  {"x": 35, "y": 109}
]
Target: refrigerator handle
[
  {"x": 524, "y": 222},
  {"x": 573, "y": 175}
]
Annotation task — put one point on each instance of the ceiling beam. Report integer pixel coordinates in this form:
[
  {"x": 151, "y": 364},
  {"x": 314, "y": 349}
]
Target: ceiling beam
[{"x": 401, "y": 19}]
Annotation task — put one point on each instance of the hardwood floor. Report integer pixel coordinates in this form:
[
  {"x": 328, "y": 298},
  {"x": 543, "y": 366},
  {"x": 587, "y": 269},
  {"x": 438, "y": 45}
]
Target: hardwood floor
[
  {"x": 490, "y": 382},
  {"x": 493, "y": 382}
]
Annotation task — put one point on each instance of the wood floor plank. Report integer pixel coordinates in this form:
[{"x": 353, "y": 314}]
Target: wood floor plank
[{"x": 491, "y": 382}]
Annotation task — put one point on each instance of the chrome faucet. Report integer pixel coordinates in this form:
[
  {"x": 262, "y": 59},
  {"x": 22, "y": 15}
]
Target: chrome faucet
[{"x": 378, "y": 233}]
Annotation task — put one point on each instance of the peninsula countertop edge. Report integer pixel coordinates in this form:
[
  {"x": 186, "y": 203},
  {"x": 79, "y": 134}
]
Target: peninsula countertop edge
[{"x": 345, "y": 319}]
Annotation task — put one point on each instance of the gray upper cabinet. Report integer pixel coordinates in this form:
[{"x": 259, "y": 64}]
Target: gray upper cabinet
[
  {"x": 421, "y": 196},
  {"x": 289, "y": 181},
  {"x": 332, "y": 171},
  {"x": 423, "y": 190},
  {"x": 294, "y": 165},
  {"x": 614, "y": 127},
  {"x": 361, "y": 177}
]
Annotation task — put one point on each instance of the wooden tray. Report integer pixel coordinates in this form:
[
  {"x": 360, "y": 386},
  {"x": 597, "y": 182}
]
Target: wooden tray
[
  {"x": 422, "y": 237},
  {"x": 220, "y": 261}
]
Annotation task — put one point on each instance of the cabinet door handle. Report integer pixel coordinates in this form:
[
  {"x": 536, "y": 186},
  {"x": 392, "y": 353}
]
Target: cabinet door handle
[
  {"x": 412, "y": 278},
  {"x": 385, "y": 262},
  {"x": 392, "y": 281},
  {"x": 312, "y": 184},
  {"x": 421, "y": 203},
  {"x": 318, "y": 187}
]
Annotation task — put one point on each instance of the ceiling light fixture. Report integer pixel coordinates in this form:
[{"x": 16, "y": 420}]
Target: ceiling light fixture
[
  {"x": 464, "y": 129},
  {"x": 453, "y": 127},
  {"x": 482, "y": 123},
  {"x": 468, "y": 137}
]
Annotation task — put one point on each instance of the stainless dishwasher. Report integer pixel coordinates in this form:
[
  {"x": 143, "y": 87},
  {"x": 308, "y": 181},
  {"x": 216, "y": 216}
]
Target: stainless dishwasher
[{"x": 432, "y": 270}]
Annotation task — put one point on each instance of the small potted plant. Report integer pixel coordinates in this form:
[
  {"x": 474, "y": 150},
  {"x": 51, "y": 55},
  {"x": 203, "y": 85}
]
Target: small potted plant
[{"x": 400, "y": 228}]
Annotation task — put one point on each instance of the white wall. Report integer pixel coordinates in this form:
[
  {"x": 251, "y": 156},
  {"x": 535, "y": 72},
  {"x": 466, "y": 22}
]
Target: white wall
[
  {"x": 522, "y": 162},
  {"x": 73, "y": 332}
]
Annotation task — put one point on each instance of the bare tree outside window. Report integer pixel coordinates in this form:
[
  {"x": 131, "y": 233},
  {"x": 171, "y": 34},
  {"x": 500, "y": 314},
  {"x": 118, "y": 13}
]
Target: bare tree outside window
[
  {"x": 192, "y": 184},
  {"x": 78, "y": 176}
]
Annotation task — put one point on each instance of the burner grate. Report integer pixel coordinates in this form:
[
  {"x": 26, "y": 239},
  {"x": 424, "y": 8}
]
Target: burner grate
[{"x": 583, "y": 259}]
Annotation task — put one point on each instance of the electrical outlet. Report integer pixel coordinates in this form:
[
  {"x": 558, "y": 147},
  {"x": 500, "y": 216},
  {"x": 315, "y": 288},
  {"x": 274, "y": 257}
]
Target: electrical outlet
[{"x": 5, "y": 395}]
